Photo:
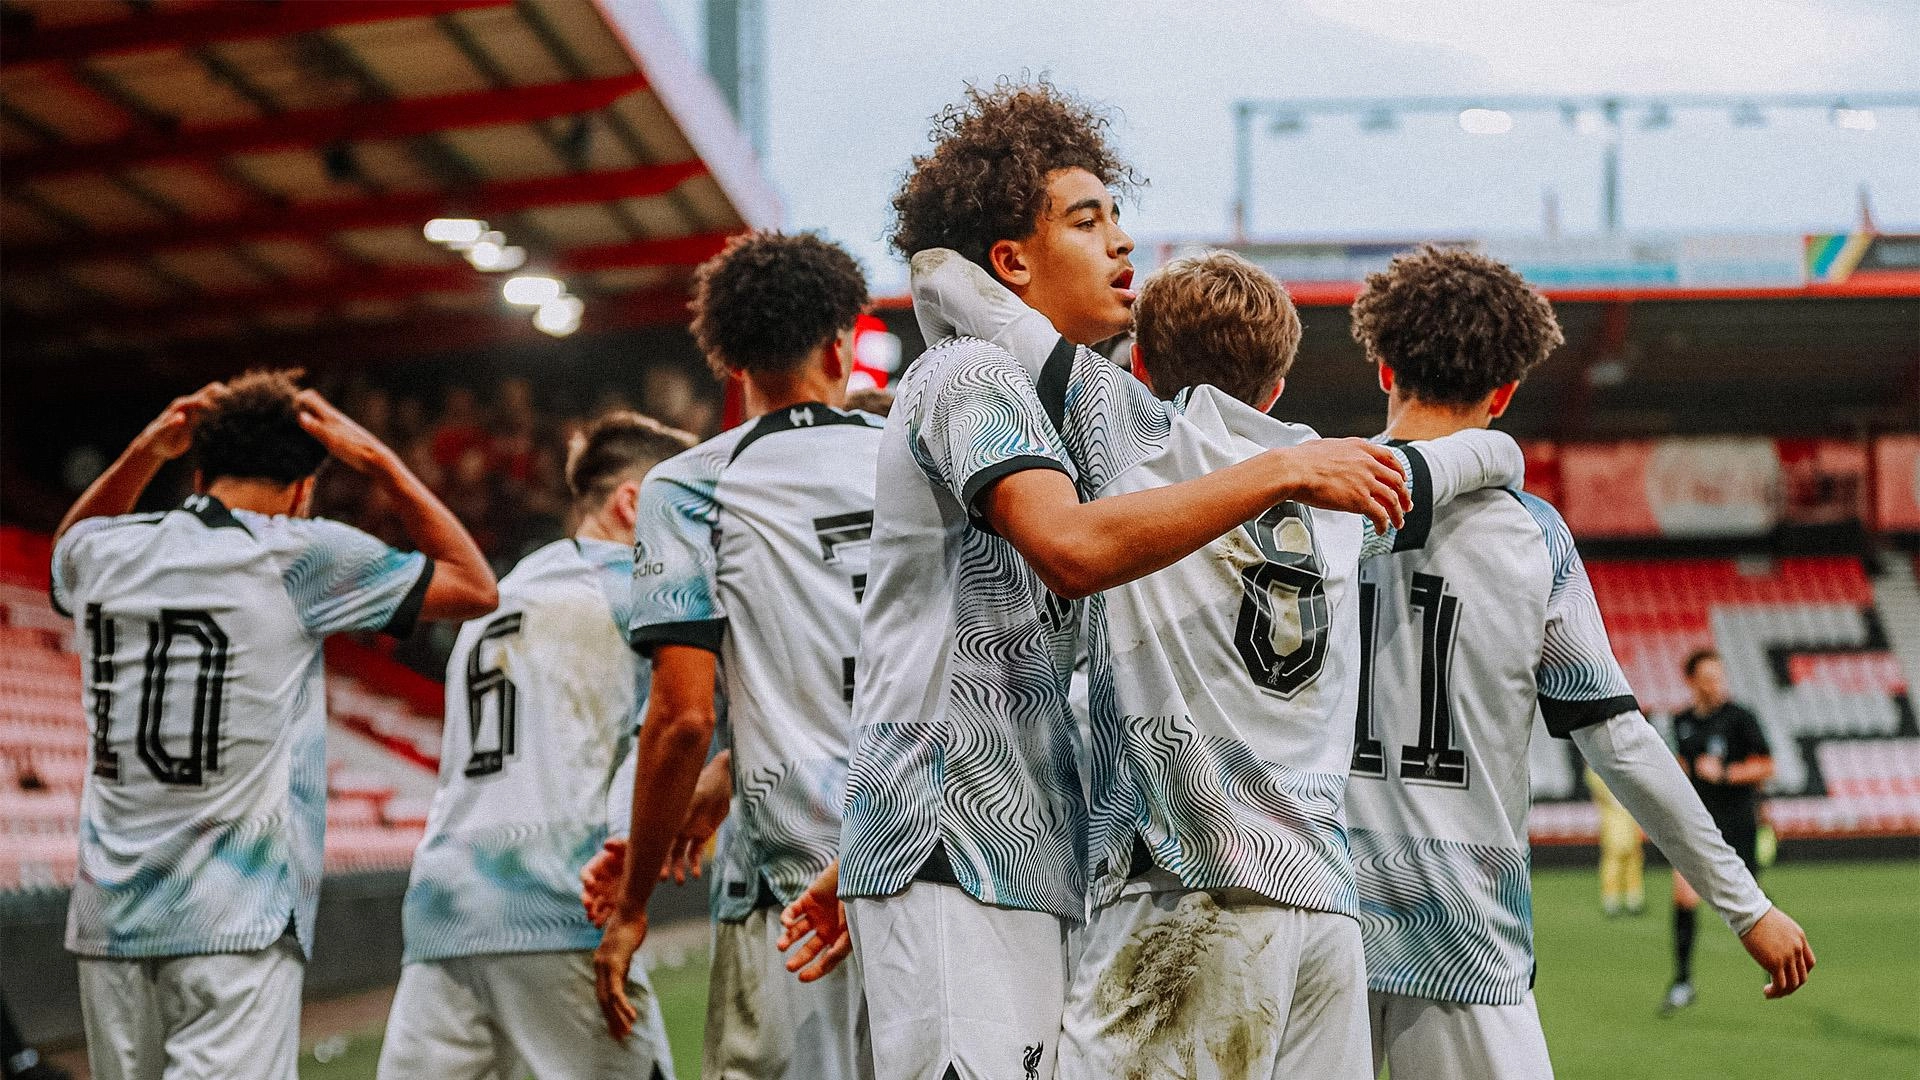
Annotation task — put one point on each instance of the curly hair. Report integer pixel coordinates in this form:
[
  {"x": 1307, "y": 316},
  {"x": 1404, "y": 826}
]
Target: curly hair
[
  {"x": 615, "y": 446},
  {"x": 986, "y": 180},
  {"x": 1216, "y": 319},
  {"x": 1454, "y": 325},
  {"x": 770, "y": 298},
  {"x": 254, "y": 431}
]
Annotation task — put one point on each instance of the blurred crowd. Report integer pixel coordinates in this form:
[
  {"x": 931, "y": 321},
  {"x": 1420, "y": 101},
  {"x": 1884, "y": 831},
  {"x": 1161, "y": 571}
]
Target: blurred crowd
[{"x": 494, "y": 453}]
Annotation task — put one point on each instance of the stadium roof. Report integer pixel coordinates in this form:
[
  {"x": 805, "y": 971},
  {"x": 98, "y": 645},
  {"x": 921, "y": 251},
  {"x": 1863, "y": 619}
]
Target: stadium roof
[{"x": 186, "y": 175}]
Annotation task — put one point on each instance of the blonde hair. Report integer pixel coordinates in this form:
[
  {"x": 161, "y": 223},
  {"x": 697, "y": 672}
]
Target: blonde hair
[{"x": 1216, "y": 319}]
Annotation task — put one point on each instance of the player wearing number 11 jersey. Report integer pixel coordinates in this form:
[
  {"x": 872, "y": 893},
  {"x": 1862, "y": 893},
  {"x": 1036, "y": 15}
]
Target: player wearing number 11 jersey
[
  {"x": 542, "y": 698},
  {"x": 1465, "y": 637},
  {"x": 202, "y": 820}
]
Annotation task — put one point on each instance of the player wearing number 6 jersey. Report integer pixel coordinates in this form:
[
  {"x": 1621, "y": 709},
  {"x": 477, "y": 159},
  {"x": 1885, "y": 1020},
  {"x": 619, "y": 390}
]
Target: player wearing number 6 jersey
[
  {"x": 542, "y": 698},
  {"x": 750, "y": 560},
  {"x": 1222, "y": 690},
  {"x": 1464, "y": 638},
  {"x": 202, "y": 819}
]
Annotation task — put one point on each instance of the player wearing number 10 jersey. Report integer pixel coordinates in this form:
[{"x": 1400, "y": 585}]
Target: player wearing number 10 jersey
[
  {"x": 1464, "y": 638},
  {"x": 542, "y": 698},
  {"x": 750, "y": 561},
  {"x": 202, "y": 820}
]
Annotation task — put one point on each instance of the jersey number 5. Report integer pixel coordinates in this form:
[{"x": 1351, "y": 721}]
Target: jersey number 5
[
  {"x": 1434, "y": 759},
  {"x": 209, "y": 694},
  {"x": 1282, "y": 630},
  {"x": 483, "y": 683}
]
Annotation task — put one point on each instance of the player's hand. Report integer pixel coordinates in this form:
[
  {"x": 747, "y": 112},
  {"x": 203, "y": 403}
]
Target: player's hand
[
  {"x": 600, "y": 880},
  {"x": 1711, "y": 769},
  {"x": 1778, "y": 944},
  {"x": 817, "y": 922},
  {"x": 611, "y": 963},
  {"x": 348, "y": 442},
  {"x": 1347, "y": 474},
  {"x": 171, "y": 433},
  {"x": 712, "y": 798}
]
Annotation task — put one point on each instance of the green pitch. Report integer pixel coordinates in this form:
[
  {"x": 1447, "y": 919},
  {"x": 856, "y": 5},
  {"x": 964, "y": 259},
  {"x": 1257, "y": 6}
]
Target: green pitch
[{"x": 1601, "y": 979}]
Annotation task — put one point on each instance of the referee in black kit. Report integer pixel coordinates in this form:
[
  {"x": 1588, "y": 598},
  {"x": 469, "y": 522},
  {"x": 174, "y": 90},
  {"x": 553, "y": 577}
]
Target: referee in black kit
[{"x": 1723, "y": 750}]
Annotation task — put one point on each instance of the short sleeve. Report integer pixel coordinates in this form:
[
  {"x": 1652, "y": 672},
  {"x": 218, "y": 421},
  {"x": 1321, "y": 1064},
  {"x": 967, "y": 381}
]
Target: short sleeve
[
  {"x": 69, "y": 563},
  {"x": 982, "y": 420},
  {"x": 676, "y": 593},
  {"x": 1756, "y": 736},
  {"x": 340, "y": 579},
  {"x": 1580, "y": 683}
]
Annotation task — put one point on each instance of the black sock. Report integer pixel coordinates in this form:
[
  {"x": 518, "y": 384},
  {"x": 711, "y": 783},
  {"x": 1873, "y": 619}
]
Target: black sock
[{"x": 1682, "y": 944}]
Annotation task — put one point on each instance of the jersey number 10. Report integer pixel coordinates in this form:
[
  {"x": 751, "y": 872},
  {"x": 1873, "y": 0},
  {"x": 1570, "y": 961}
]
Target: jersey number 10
[{"x": 209, "y": 685}]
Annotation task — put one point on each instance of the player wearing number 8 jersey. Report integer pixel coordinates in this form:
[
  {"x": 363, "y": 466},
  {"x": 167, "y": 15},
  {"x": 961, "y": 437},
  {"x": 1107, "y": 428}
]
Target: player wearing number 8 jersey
[
  {"x": 750, "y": 560},
  {"x": 202, "y": 819},
  {"x": 542, "y": 698},
  {"x": 1465, "y": 637},
  {"x": 1222, "y": 688}
]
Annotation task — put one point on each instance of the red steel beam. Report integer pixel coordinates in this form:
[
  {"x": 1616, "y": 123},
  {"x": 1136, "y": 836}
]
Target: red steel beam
[
  {"x": 361, "y": 121},
  {"x": 214, "y": 24},
  {"x": 315, "y": 221}
]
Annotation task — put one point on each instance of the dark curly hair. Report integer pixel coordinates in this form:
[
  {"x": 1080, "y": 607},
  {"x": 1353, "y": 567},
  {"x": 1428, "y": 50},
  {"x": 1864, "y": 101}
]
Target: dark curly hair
[
  {"x": 770, "y": 298},
  {"x": 986, "y": 180},
  {"x": 254, "y": 432},
  {"x": 619, "y": 444},
  {"x": 1453, "y": 324}
]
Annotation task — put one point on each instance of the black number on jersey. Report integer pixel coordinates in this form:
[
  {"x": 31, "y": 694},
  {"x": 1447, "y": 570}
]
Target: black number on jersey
[
  {"x": 839, "y": 531},
  {"x": 1290, "y": 576},
  {"x": 106, "y": 763},
  {"x": 485, "y": 682},
  {"x": 1434, "y": 759},
  {"x": 209, "y": 696},
  {"x": 1369, "y": 757}
]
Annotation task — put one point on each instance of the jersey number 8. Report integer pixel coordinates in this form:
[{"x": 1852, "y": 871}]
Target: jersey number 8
[{"x": 1282, "y": 630}]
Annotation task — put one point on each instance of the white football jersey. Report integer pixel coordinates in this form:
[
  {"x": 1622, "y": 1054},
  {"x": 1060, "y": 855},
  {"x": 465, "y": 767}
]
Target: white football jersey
[
  {"x": 754, "y": 545},
  {"x": 1464, "y": 640},
  {"x": 203, "y": 817},
  {"x": 542, "y": 699}
]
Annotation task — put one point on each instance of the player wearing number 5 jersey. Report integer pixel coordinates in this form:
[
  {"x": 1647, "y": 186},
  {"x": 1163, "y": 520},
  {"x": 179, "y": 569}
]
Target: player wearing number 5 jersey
[
  {"x": 1222, "y": 689},
  {"x": 542, "y": 698},
  {"x": 750, "y": 560},
  {"x": 202, "y": 819},
  {"x": 1464, "y": 639}
]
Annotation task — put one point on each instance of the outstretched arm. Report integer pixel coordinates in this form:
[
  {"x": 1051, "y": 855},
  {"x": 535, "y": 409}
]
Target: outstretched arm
[
  {"x": 169, "y": 435},
  {"x": 1636, "y": 765},
  {"x": 462, "y": 586},
  {"x": 1079, "y": 548}
]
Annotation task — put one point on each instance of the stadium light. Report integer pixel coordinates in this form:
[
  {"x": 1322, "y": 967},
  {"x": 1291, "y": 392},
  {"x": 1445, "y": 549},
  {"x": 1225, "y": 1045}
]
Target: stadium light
[
  {"x": 532, "y": 290},
  {"x": 1486, "y": 121},
  {"x": 454, "y": 230},
  {"x": 1854, "y": 119},
  {"x": 559, "y": 316},
  {"x": 494, "y": 257}
]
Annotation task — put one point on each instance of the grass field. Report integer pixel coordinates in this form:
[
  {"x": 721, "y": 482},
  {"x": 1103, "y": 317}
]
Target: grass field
[{"x": 1600, "y": 981}]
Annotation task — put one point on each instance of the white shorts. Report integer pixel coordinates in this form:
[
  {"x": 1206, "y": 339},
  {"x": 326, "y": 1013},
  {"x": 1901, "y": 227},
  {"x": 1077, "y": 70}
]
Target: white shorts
[
  {"x": 763, "y": 1023},
  {"x": 512, "y": 1014},
  {"x": 221, "y": 1014},
  {"x": 1423, "y": 1039},
  {"x": 957, "y": 987},
  {"x": 1221, "y": 983}
]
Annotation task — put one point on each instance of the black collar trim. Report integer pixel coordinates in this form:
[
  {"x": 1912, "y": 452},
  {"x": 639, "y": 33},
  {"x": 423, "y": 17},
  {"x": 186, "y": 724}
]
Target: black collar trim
[
  {"x": 212, "y": 512},
  {"x": 807, "y": 414}
]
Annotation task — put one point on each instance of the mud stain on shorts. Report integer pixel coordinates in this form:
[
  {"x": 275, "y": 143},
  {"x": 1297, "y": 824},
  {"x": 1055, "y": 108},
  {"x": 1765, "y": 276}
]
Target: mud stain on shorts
[{"x": 1178, "y": 989}]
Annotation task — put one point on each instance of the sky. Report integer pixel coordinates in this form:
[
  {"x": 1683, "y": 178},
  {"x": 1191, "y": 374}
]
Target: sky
[{"x": 851, "y": 85}]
